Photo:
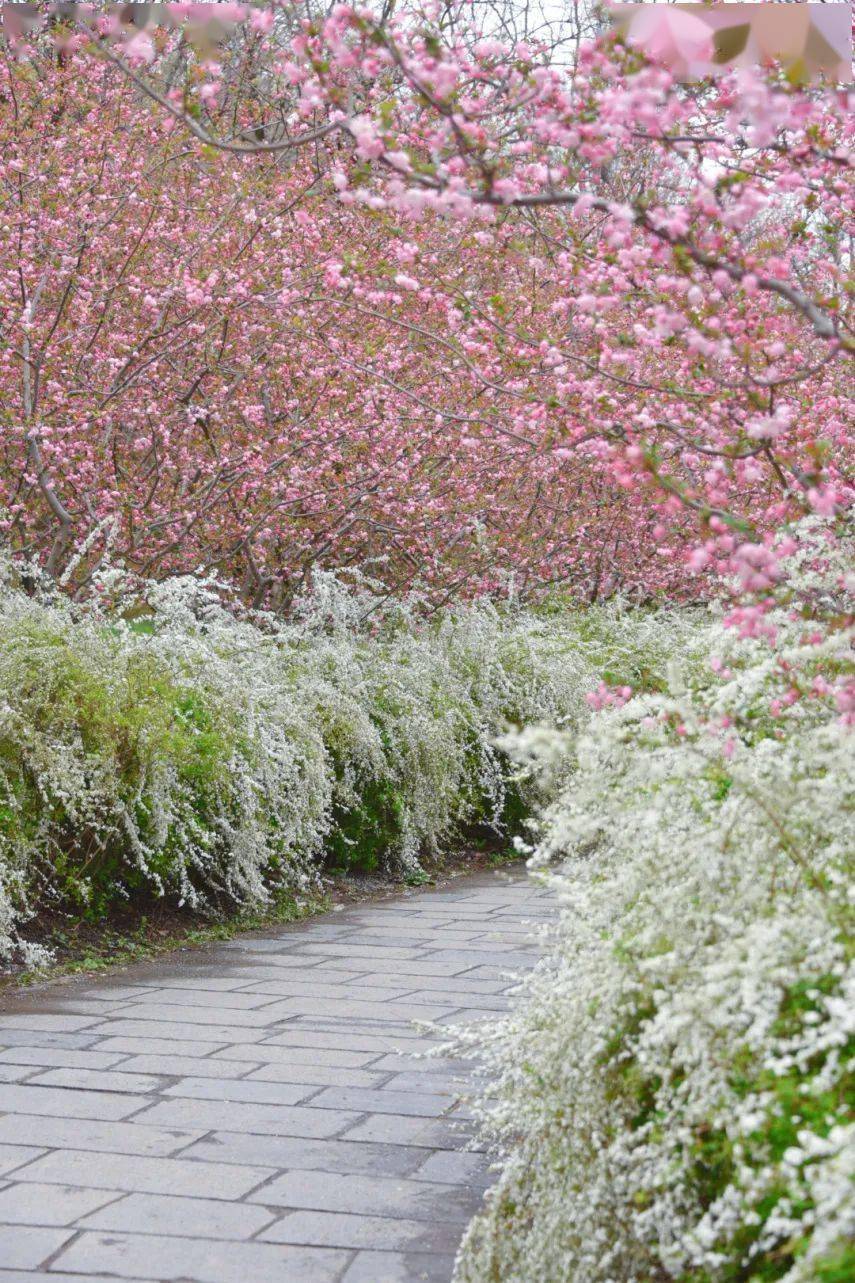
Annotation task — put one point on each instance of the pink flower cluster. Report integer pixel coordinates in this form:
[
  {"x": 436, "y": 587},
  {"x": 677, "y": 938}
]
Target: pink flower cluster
[{"x": 608, "y": 696}]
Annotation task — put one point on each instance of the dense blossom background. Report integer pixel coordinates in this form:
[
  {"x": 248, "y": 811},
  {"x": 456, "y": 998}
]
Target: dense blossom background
[
  {"x": 420, "y": 417},
  {"x": 423, "y": 300}
]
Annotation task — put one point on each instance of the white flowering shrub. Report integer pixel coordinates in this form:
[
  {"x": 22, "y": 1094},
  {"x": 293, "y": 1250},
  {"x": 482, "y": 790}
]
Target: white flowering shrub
[
  {"x": 163, "y": 744},
  {"x": 673, "y": 1091}
]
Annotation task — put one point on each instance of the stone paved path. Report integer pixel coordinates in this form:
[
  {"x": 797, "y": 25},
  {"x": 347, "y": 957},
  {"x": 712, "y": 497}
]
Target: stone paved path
[{"x": 257, "y": 1113}]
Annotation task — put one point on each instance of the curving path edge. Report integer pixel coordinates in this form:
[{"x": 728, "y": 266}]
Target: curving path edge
[{"x": 258, "y": 1110}]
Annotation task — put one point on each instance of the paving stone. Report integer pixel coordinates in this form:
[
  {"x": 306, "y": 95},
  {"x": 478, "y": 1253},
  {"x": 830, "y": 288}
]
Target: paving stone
[
  {"x": 42, "y": 1021},
  {"x": 459, "y": 898},
  {"x": 379, "y": 917},
  {"x": 24, "y": 1247},
  {"x": 521, "y": 952},
  {"x": 15, "y": 1073},
  {"x": 169, "y": 1026},
  {"x": 293, "y": 935},
  {"x": 42, "y": 1276},
  {"x": 455, "y": 1167},
  {"x": 98, "y": 1007},
  {"x": 323, "y": 929},
  {"x": 372, "y": 953},
  {"x": 406, "y": 1035},
  {"x": 267, "y": 1120},
  {"x": 461, "y": 914},
  {"x": 134, "y": 1174},
  {"x": 184, "y": 1014},
  {"x": 522, "y": 937},
  {"x": 195, "y": 998},
  {"x": 134, "y": 1046},
  {"x": 184, "y": 1217},
  {"x": 438, "y": 1083},
  {"x": 203, "y": 982},
  {"x": 412, "y": 938},
  {"x": 32, "y": 1204},
  {"x": 381, "y": 1233},
  {"x": 80, "y": 1133},
  {"x": 275, "y": 1053},
  {"x": 350, "y": 1010},
  {"x": 265, "y": 945},
  {"x": 283, "y": 959},
  {"x": 12, "y": 1156},
  {"x": 511, "y": 959},
  {"x": 531, "y": 917},
  {"x": 373, "y": 980},
  {"x": 436, "y": 965},
  {"x": 220, "y": 965},
  {"x": 190, "y": 1066},
  {"x": 315, "y": 1076},
  {"x": 415, "y": 938},
  {"x": 60, "y": 1057},
  {"x": 484, "y": 1003},
  {"x": 98, "y": 1080},
  {"x": 395, "y": 1129},
  {"x": 43, "y": 1038},
  {"x": 424, "y": 1065},
  {"x": 309, "y": 1155},
  {"x": 275, "y": 1093},
  {"x": 365, "y": 1195},
  {"x": 507, "y": 975},
  {"x": 17, "y": 1098},
  {"x": 364, "y": 1100},
  {"x": 297, "y": 988},
  {"x": 110, "y": 992},
  {"x": 444, "y": 984},
  {"x": 132, "y": 1255},
  {"x": 347, "y": 1040},
  {"x": 335, "y": 970},
  {"x": 399, "y": 1267}
]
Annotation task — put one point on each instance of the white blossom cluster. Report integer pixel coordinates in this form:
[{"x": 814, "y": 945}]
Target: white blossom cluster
[
  {"x": 162, "y": 743},
  {"x": 671, "y": 1098}
]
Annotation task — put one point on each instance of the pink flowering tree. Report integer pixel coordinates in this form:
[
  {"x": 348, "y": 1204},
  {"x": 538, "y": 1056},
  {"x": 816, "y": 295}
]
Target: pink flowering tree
[
  {"x": 209, "y": 361},
  {"x": 395, "y": 289}
]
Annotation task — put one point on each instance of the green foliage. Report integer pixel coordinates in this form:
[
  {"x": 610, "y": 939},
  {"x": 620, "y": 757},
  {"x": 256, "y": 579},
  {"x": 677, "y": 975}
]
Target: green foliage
[
  {"x": 838, "y": 1266},
  {"x": 363, "y": 834},
  {"x": 122, "y": 714}
]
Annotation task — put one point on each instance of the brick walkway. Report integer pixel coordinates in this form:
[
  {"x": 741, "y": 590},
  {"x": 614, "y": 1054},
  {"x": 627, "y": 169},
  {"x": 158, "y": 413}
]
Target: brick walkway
[{"x": 257, "y": 1113}]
